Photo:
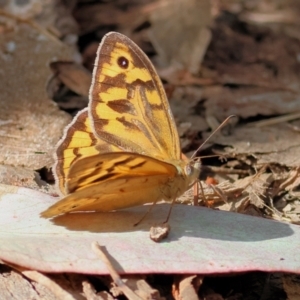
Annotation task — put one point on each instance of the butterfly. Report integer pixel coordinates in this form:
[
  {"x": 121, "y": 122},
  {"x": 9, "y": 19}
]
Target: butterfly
[{"x": 123, "y": 150}]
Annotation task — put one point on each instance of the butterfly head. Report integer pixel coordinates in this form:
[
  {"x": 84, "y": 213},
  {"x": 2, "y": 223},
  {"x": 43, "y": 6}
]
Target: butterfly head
[{"x": 192, "y": 169}]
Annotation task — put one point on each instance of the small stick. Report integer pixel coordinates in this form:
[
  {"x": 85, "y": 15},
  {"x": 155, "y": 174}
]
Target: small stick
[
  {"x": 276, "y": 120},
  {"x": 113, "y": 273}
]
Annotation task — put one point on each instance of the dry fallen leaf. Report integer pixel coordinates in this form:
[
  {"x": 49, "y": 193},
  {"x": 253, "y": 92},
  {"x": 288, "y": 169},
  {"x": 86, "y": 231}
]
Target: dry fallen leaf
[
  {"x": 271, "y": 144},
  {"x": 180, "y": 33},
  {"x": 260, "y": 79},
  {"x": 201, "y": 240},
  {"x": 74, "y": 76},
  {"x": 248, "y": 102}
]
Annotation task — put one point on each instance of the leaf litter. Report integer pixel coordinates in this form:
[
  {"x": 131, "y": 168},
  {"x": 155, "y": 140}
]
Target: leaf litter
[
  {"x": 31, "y": 123},
  {"x": 246, "y": 63}
]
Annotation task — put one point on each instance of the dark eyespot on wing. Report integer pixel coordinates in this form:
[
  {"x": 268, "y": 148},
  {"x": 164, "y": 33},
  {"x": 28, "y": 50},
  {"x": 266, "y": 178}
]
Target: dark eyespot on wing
[{"x": 123, "y": 62}]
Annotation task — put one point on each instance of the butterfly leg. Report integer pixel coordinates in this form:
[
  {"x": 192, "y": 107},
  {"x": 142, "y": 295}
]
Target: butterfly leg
[
  {"x": 170, "y": 210},
  {"x": 198, "y": 183},
  {"x": 215, "y": 189},
  {"x": 219, "y": 192},
  {"x": 144, "y": 216},
  {"x": 196, "y": 193}
]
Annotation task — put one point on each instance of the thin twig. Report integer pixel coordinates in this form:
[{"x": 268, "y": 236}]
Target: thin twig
[
  {"x": 276, "y": 120},
  {"x": 113, "y": 273}
]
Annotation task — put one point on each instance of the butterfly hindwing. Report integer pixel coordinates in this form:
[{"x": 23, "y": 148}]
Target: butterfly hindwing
[
  {"x": 118, "y": 180},
  {"x": 111, "y": 166}
]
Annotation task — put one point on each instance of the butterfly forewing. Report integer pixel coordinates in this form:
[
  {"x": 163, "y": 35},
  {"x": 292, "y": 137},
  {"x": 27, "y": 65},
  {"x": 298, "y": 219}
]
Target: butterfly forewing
[{"x": 128, "y": 105}]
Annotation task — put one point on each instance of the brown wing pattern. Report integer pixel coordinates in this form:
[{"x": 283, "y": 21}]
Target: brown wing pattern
[
  {"x": 111, "y": 166},
  {"x": 78, "y": 141}
]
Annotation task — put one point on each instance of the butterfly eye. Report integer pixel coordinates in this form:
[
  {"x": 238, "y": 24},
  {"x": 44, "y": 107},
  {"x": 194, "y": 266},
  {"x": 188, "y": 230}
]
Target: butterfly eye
[
  {"x": 123, "y": 62},
  {"x": 197, "y": 164},
  {"x": 188, "y": 170}
]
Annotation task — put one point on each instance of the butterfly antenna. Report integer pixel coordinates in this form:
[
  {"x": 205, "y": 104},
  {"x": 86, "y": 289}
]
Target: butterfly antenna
[{"x": 217, "y": 129}]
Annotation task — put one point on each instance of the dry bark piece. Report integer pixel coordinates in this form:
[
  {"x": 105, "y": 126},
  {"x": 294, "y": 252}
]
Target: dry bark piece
[
  {"x": 104, "y": 295},
  {"x": 186, "y": 287},
  {"x": 19, "y": 176},
  {"x": 159, "y": 232},
  {"x": 30, "y": 123},
  {"x": 291, "y": 285},
  {"x": 90, "y": 293},
  {"x": 292, "y": 181},
  {"x": 60, "y": 286},
  {"x": 56, "y": 289},
  {"x": 14, "y": 286},
  {"x": 139, "y": 285}
]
